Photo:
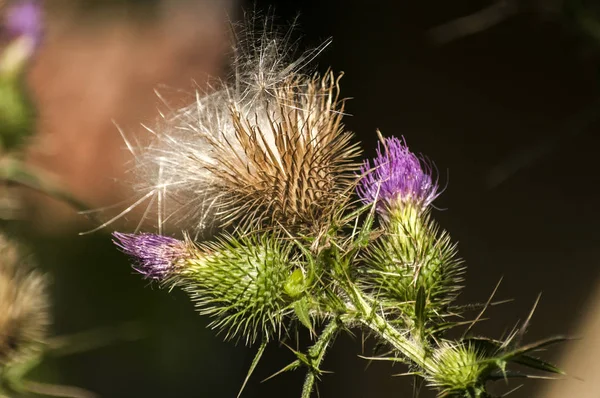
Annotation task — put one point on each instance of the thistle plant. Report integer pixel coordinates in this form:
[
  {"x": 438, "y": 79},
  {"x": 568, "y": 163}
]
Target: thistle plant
[{"x": 296, "y": 232}]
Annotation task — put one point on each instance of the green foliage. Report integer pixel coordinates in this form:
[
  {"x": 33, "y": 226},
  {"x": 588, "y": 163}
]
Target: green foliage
[{"x": 397, "y": 281}]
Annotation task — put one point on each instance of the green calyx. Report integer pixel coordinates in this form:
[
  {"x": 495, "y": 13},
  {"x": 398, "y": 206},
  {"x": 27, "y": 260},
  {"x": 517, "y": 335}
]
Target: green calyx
[{"x": 413, "y": 258}]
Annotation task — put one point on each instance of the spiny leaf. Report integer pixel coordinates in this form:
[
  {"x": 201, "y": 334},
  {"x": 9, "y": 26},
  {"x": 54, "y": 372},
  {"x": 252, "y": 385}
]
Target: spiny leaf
[
  {"x": 512, "y": 374},
  {"x": 491, "y": 348},
  {"x": 536, "y": 363},
  {"x": 292, "y": 366},
  {"x": 259, "y": 353},
  {"x": 385, "y": 359},
  {"x": 420, "y": 302},
  {"x": 509, "y": 356},
  {"x": 301, "y": 308}
]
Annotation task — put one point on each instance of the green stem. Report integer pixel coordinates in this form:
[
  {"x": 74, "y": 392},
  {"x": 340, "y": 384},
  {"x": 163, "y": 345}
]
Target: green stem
[
  {"x": 410, "y": 348},
  {"x": 94, "y": 339},
  {"x": 16, "y": 172},
  {"x": 57, "y": 390},
  {"x": 316, "y": 353}
]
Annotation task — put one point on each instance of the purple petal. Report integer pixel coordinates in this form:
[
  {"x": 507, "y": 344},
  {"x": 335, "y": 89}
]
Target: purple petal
[
  {"x": 155, "y": 255},
  {"x": 24, "y": 18},
  {"x": 397, "y": 178}
]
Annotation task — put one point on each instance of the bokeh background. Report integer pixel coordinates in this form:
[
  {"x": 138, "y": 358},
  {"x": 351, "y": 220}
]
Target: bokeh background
[{"x": 503, "y": 96}]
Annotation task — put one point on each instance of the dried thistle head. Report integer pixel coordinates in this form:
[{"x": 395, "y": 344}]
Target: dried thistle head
[
  {"x": 296, "y": 161},
  {"x": 24, "y": 306},
  {"x": 265, "y": 147}
]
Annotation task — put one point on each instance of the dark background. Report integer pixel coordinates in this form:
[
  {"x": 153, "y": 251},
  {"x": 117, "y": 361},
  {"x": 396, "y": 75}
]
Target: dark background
[{"x": 509, "y": 115}]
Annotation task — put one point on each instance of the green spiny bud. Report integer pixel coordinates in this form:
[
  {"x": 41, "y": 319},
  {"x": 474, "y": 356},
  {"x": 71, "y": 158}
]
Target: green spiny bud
[
  {"x": 410, "y": 256},
  {"x": 460, "y": 370},
  {"x": 243, "y": 284}
]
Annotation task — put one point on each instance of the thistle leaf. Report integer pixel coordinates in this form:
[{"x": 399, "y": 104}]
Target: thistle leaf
[
  {"x": 534, "y": 346},
  {"x": 536, "y": 363},
  {"x": 259, "y": 353},
  {"x": 301, "y": 308},
  {"x": 420, "y": 316}
]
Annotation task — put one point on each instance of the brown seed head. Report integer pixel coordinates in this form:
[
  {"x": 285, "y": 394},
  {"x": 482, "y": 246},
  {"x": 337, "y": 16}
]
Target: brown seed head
[
  {"x": 267, "y": 147},
  {"x": 297, "y": 161},
  {"x": 24, "y": 312}
]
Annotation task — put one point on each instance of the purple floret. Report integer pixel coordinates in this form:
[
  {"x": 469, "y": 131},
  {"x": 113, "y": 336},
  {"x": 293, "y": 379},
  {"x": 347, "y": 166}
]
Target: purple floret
[
  {"x": 24, "y": 18},
  {"x": 397, "y": 178},
  {"x": 155, "y": 255}
]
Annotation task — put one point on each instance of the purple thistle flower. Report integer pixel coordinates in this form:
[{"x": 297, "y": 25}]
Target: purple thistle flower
[
  {"x": 396, "y": 179},
  {"x": 24, "y": 18},
  {"x": 155, "y": 255}
]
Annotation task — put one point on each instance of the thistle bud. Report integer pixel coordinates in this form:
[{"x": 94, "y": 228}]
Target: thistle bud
[
  {"x": 397, "y": 180},
  {"x": 24, "y": 307},
  {"x": 412, "y": 254},
  {"x": 266, "y": 148},
  {"x": 460, "y": 370},
  {"x": 242, "y": 284}
]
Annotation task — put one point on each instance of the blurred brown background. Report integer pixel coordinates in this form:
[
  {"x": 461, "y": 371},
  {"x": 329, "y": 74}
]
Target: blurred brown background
[{"x": 506, "y": 103}]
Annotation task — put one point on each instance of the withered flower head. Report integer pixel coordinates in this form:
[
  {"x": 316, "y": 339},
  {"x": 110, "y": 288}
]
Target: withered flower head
[
  {"x": 266, "y": 147},
  {"x": 24, "y": 306}
]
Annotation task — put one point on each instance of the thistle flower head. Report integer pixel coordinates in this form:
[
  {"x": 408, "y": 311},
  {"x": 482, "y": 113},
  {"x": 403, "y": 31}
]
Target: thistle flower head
[
  {"x": 24, "y": 307},
  {"x": 24, "y": 19},
  {"x": 397, "y": 179},
  {"x": 156, "y": 256},
  {"x": 266, "y": 147}
]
